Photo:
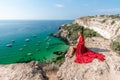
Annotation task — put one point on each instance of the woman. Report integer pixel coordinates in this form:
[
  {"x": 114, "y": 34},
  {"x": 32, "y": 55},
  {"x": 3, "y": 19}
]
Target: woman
[{"x": 83, "y": 54}]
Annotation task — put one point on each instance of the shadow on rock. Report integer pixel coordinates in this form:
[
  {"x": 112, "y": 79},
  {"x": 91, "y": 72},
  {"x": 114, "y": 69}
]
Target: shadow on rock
[{"x": 99, "y": 50}]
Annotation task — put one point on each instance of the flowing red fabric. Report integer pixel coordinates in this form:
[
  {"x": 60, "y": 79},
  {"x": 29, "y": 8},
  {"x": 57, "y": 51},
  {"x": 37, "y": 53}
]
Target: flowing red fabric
[{"x": 84, "y": 55}]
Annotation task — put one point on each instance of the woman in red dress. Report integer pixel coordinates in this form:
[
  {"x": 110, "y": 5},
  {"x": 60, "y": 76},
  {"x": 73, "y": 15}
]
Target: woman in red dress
[{"x": 83, "y": 54}]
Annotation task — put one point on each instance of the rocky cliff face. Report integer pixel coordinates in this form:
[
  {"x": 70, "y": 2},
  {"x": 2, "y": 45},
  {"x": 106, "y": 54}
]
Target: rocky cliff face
[
  {"x": 107, "y": 26},
  {"x": 97, "y": 70},
  {"x": 22, "y": 71},
  {"x": 63, "y": 34}
]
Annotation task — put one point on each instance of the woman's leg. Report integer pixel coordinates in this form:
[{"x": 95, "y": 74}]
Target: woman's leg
[{"x": 72, "y": 49}]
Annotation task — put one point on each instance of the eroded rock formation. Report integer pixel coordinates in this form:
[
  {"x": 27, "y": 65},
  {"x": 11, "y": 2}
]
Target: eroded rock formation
[
  {"x": 97, "y": 70},
  {"x": 107, "y": 26}
]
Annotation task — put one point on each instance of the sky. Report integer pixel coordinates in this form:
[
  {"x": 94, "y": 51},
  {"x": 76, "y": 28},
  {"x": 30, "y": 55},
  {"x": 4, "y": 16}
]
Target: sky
[{"x": 55, "y": 9}]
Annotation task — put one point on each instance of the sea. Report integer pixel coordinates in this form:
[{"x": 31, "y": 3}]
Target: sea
[{"x": 29, "y": 40}]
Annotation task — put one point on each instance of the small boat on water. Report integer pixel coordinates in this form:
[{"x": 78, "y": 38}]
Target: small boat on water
[
  {"x": 9, "y": 45},
  {"x": 34, "y": 36},
  {"x": 27, "y": 40},
  {"x": 13, "y": 41},
  {"x": 47, "y": 38},
  {"x": 29, "y": 54},
  {"x": 24, "y": 45},
  {"x": 21, "y": 49}
]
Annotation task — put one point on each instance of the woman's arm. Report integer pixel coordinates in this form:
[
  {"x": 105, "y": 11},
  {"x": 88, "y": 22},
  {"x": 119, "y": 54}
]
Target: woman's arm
[{"x": 76, "y": 44}]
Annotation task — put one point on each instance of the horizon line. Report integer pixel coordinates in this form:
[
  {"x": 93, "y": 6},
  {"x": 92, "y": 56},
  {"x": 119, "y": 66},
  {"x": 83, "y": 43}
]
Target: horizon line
[{"x": 37, "y": 19}]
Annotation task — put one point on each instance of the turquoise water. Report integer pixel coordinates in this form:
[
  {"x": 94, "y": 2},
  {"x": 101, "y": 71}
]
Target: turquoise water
[{"x": 40, "y": 46}]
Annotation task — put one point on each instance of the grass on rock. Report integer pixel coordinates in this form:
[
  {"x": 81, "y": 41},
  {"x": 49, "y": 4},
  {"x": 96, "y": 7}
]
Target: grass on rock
[
  {"x": 74, "y": 28},
  {"x": 115, "y": 46}
]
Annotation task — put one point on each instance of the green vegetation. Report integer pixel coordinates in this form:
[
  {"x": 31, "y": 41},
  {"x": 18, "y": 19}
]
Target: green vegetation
[
  {"x": 112, "y": 22},
  {"x": 73, "y": 30},
  {"x": 104, "y": 21},
  {"x": 112, "y": 16},
  {"x": 115, "y": 16},
  {"x": 115, "y": 46},
  {"x": 60, "y": 59},
  {"x": 118, "y": 38},
  {"x": 102, "y": 15},
  {"x": 91, "y": 33}
]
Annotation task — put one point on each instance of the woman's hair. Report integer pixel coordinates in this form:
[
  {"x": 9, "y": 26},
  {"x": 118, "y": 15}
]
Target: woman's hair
[{"x": 81, "y": 31}]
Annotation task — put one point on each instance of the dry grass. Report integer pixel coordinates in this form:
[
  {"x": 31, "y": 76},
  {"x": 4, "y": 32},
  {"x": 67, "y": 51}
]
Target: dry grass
[{"x": 51, "y": 71}]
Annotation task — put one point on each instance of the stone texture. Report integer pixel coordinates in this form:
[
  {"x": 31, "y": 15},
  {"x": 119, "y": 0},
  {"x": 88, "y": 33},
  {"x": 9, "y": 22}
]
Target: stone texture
[
  {"x": 97, "y": 70},
  {"x": 22, "y": 71},
  {"x": 106, "y": 26}
]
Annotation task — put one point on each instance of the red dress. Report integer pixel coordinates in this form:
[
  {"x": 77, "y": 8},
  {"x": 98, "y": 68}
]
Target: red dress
[{"x": 84, "y": 55}]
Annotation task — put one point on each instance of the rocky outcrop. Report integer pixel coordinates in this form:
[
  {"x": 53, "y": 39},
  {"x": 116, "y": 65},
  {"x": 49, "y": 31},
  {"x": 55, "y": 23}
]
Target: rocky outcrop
[
  {"x": 108, "y": 70},
  {"x": 107, "y": 26},
  {"x": 22, "y": 71},
  {"x": 62, "y": 34},
  {"x": 97, "y": 70}
]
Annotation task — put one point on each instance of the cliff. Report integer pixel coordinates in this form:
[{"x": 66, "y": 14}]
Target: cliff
[
  {"x": 97, "y": 70},
  {"x": 106, "y": 25},
  {"x": 22, "y": 71}
]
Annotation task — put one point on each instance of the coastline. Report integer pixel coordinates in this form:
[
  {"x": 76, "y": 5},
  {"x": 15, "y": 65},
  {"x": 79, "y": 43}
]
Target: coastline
[
  {"x": 65, "y": 69},
  {"x": 40, "y": 45}
]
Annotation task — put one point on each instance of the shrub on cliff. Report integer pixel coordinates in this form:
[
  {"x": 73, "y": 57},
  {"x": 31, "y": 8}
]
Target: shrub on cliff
[
  {"x": 115, "y": 46},
  {"x": 113, "y": 22},
  {"x": 74, "y": 28},
  {"x": 90, "y": 33},
  {"x": 104, "y": 21},
  {"x": 114, "y": 16},
  {"x": 60, "y": 59}
]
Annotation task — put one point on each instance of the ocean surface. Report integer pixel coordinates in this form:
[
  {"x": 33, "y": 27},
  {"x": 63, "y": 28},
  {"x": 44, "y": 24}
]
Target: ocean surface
[{"x": 29, "y": 40}]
